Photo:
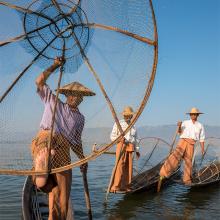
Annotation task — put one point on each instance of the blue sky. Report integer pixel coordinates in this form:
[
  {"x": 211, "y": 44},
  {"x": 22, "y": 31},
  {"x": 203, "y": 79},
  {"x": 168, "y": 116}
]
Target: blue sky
[{"x": 188, "y": 72}]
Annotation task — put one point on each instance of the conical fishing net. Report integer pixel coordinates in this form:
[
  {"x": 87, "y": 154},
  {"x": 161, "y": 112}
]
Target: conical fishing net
[
  {"x": 110, "y": 47},
  {"x": 207, "y": 167},
  {"x": 153, "y": 151}
]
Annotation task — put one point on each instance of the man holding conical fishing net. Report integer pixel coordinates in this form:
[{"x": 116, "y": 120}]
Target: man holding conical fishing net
[
  {"x": 67, "y": 130},
  {"x": 124, "y": 153},
  {"x": 190, "y": 132}
]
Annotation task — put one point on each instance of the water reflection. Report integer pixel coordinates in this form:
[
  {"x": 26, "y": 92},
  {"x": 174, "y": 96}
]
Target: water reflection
[
  {"x": 175, "y": 202},
  {"x": 140, "y": 206}
]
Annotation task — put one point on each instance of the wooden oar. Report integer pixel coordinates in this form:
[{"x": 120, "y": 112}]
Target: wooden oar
[
  {"x": 194, "y": 156},
  {"x": 87, "y": 197},
  {"x": 94, "y": 150},
  {"x": 174, "y": 138},
  {"x": 204, "y": 155},
  {"x": 172, "y": 145},
  {"x": 113, "y": 174},
  {"x": 195, "y": 169}
]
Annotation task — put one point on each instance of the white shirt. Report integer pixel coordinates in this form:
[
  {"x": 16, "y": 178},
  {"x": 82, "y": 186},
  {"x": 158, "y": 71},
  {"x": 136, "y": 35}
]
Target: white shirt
[
  {"x": 131, "y": 135},
  {"x": 193, "y": 131}
]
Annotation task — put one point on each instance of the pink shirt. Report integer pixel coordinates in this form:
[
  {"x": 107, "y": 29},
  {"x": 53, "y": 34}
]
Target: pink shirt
[{"x": 67, "y": 122}]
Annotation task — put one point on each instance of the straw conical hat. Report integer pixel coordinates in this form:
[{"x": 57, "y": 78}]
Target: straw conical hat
[
  {"x": 128, "y": 111},
  {"x": 194, "y": 111},
  {"x": 76, "y": 88}
]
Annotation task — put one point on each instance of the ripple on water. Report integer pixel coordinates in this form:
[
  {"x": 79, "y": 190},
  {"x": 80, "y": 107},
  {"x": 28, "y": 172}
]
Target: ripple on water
[{"x": 174, "y": 202}]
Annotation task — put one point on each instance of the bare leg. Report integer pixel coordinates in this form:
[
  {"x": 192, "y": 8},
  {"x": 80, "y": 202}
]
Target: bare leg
[{"x": 40, "y": 165}]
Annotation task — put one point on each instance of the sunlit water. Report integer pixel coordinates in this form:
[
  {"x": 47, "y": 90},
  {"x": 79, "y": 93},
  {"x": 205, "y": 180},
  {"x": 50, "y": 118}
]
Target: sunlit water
[{"x": 174, "y": 202}]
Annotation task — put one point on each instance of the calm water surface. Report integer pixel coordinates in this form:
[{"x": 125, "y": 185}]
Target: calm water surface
[{"x": 174, "y": 202}]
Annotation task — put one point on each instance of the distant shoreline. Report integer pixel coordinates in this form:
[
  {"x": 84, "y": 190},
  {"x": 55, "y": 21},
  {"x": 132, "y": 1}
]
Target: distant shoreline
[{"x": 102, "y": 134}]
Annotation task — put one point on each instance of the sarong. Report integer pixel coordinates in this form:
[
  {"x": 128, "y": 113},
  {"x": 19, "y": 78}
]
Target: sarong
[
  {"x": 123, "y": 173},
  {"x": 185, "y": 151}
]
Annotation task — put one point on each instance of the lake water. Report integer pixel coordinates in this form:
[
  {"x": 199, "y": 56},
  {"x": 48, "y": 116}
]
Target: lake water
[{"x": 174, "y": 202}]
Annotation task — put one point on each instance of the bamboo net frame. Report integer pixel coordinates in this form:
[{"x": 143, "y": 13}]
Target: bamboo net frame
[
  {"x": 207, "y": 169},
  {"x": 148, "y": 90}
]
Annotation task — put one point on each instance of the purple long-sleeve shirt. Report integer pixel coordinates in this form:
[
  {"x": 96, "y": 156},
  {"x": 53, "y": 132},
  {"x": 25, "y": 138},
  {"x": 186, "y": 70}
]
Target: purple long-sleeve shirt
[{"x": 67, "y": 122}]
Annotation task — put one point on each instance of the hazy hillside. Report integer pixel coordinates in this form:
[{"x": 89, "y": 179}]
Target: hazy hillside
[
  {"x": 101, "y": 135},
  {"x": 165, "y": 132}
]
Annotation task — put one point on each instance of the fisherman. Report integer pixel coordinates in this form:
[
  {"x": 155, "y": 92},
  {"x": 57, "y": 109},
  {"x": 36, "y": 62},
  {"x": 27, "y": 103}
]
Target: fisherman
[
  {"x": 128, "y": 144},
  {"x": 190, "y": 131},
  {"x": 68, "y": 127}
]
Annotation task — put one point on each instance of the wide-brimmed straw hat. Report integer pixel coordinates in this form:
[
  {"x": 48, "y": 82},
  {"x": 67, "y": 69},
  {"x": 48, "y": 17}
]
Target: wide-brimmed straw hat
[
  {"x": 194, "y": 111},
  {"x": 128, "y": 111},
  {"x": 75, "y": 88}
]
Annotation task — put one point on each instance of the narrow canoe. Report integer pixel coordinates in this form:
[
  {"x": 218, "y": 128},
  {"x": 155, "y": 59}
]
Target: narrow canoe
[
  {"x": 35, "y": 203},
  {"x": 148, "y": 180}
]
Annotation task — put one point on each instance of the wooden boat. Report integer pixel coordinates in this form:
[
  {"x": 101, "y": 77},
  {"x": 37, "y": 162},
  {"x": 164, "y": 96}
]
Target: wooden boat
[
  {"x": 35, "y": 203},
  {"x": 147, "y": 176},
  {"x": 148, "y": 180},
  {"x": 206, "y": 170}
]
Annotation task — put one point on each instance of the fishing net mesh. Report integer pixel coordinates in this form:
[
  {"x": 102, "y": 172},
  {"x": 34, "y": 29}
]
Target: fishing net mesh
[
  {"x": 153, "y": 151},
  {"x": 110, "y": 48},
  {"x": 207, "y": 167}
]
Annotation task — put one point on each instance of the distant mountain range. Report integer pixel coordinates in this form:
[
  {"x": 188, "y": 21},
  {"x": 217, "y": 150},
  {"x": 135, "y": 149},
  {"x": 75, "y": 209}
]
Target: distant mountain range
[
  {"x": 165, "y": 132},
  {"x": 101, "y": 135}
]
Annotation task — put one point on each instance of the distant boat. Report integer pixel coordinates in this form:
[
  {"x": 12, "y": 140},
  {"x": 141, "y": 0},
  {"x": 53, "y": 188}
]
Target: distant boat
[{"x": 35, "y": 203}]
